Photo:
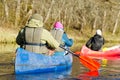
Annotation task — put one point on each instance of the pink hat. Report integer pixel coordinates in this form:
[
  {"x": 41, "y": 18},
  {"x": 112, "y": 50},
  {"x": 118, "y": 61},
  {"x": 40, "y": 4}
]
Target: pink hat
[{"x": 58, "y": 25}]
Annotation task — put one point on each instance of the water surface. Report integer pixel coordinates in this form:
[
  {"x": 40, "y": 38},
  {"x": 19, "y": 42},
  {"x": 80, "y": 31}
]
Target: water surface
[{"x": 109, "y": 70}]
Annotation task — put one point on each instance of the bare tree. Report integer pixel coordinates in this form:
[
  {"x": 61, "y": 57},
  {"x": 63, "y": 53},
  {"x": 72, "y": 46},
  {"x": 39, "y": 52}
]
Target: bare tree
[
  {"x": 49, "y": 11},
  {"x": 6, "y": 10},
  {"x": 104, "y": 19},
  {"x": 116, "y": 23},
  {"x": 26, "y": 5},
  {"x": 32, "y": 6},
  {"x": 17, "y": 16},
  {"x": 76, "y": 14},
  {"x": 95, "y": 22},
  {"x": 28, "y": 14}
]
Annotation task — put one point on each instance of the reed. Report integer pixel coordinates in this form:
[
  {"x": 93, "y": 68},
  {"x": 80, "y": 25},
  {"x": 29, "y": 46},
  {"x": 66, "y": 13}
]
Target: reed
[{"x": 7, "y": 35}]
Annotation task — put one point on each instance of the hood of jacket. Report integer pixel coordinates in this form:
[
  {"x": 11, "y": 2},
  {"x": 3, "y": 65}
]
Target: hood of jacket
[{"x": 34, "y": 23}]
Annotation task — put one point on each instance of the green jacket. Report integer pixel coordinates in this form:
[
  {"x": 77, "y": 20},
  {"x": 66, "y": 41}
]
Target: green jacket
[{"x": 33, "y": 35}]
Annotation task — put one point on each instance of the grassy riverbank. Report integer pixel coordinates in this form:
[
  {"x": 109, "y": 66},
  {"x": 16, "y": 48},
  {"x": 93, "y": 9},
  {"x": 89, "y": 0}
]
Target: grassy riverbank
[
  {"x": 9, "y": 35},
  {"x": 81, "y": 38}
]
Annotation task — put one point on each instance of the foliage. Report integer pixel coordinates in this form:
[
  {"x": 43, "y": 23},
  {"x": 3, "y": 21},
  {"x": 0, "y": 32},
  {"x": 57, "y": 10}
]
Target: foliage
[{"x": 82, "y": 16}]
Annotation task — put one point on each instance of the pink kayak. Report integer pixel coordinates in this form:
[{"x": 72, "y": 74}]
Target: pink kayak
[{"x": 112, "y": 54}]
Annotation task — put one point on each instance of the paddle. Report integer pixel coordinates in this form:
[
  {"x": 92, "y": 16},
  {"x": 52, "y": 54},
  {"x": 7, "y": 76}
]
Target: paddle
[{"x": 91, "y": 64}]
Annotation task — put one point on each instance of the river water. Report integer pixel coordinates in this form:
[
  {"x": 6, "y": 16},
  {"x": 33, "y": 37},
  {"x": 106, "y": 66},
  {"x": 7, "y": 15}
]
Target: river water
[{"x": 110, "y": 69}]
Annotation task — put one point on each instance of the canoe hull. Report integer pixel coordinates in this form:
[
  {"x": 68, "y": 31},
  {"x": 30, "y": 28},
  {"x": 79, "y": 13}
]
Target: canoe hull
[
  {"x": 28, "y": 62},
  {"x": 109, "y": 54}
]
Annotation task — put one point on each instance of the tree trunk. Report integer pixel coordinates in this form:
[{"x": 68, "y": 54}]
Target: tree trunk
[
  {"x": 26, "y": 18},
  {"x": 94, "y": 24},
  {"x": 32, "y": 6},
  {"x": 116, "y": 23},
  {"x": 28, "y": 14},
  {"x": 49, "y": 11},
  {"x": 103, "y": 24},
  {"x": 6, "y": 10},
  {"x": 17, "y": 16},
  {"x": 26, "y": 5}
]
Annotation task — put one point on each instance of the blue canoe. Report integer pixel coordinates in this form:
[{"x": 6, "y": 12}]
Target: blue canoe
[
  {"x": 58, "y": 75},
  {"x": 29, "y": 62}
]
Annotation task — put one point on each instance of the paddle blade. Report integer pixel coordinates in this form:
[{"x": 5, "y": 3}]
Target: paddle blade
[
  {"x": 86, "y": 61},
  {"x": 89, "y": 63}
]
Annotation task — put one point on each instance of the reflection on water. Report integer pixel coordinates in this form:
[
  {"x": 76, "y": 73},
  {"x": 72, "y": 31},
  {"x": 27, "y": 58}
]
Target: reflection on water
[
  {"x": 111, "y": 71},
  {"x": 7, "y": 56},
  {"x": 45, "y": 76},
  {"x": 7, "y": 52}
]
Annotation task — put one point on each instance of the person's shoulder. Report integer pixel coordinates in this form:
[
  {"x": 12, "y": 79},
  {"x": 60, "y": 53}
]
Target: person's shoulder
[
  {"x": 22, "y": 29},
  {"x": 96, "y": 35},
  {"x": 46, "y": 31}
]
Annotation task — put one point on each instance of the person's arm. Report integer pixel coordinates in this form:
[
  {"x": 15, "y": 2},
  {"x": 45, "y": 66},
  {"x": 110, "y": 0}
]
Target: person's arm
[
  {"x": 89, "y": 42},
  {"x": 103, "y": 41},
  {"x": 50, "y": 40},
  {"x": 20, "y": 37},
  {"x": 68, "y": 42}
]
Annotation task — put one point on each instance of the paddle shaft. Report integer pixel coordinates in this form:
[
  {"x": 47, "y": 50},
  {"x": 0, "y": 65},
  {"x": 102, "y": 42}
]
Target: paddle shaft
[
  {"x": 86, "y": 61},
  {"x": 69, "y": 51}
]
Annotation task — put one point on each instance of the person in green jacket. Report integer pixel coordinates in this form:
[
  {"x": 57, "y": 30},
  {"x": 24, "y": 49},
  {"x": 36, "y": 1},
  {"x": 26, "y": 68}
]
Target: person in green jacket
[
  {"x": 35, "y": 38},
  {"x": 61, "y": 36}
]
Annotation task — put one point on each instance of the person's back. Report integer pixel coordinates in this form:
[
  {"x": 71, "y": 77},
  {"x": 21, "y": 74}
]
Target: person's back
[
  {"x": 96, "y": 42},
  {"x": 33, "y": 37},
  {"x": 59, "y": 34}
]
